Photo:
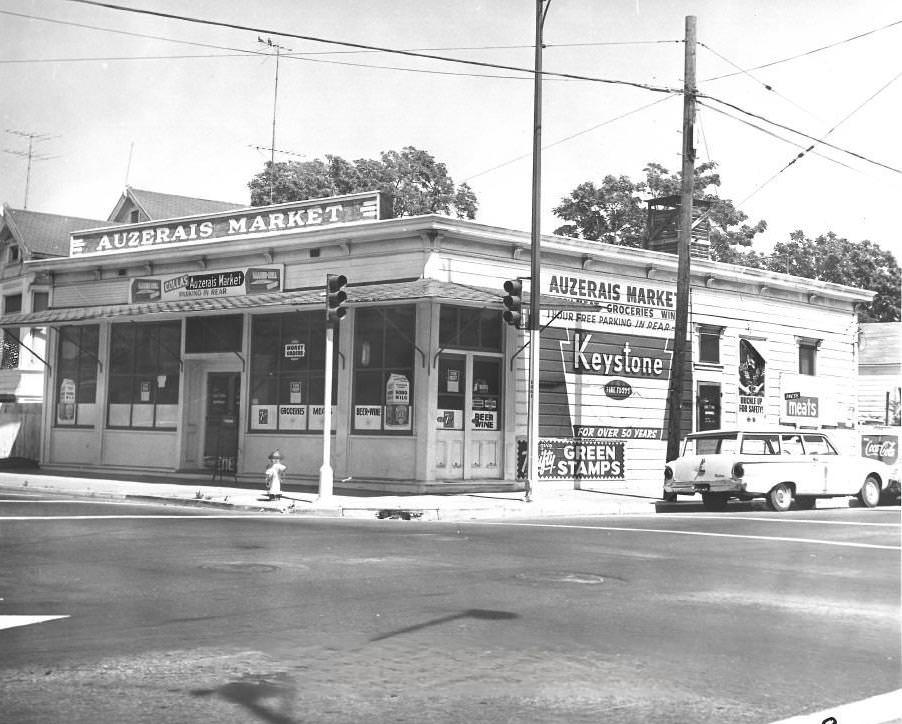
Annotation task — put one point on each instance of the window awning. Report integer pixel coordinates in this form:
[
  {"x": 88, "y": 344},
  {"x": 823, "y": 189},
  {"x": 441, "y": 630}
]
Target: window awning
[{"x": 396, "y": 291}]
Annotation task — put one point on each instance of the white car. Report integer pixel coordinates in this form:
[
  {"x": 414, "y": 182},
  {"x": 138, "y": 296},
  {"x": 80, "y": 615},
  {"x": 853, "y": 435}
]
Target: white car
[{"x": 778, "y": 465}]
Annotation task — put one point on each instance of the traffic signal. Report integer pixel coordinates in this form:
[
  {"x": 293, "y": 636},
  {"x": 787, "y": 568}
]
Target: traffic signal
[
  {"x": 335, "y": 297},
  {"x": 513, "y": 302}
]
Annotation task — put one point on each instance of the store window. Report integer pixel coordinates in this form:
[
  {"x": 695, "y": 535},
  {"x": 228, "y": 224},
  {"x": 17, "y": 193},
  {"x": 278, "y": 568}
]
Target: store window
[
  {"x": 9, "y": 348},
  {"x": 145, "y": 366},
  {"x": 76, "y": 376},
  {"x": 808, "y": 356},
  {"x": 384, "y": 352},
  {"x": 288, "y": 372},
  {"x": 709, "y": 344},
  {"x": 469, "y": 328},
  {"x": 204, "y": 335}
]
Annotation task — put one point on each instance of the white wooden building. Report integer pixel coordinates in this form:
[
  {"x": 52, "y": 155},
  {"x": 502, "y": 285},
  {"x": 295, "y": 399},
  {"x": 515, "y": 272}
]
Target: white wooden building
[{"x": 196, "y": 342}]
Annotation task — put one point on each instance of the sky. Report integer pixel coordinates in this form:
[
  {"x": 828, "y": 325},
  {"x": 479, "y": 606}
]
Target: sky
[{"x": 115, "y": 98}]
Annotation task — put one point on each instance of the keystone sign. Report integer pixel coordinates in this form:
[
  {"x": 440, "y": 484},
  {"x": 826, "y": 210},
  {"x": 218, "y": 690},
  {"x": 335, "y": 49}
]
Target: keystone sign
[{"x": 255, "y": 222}]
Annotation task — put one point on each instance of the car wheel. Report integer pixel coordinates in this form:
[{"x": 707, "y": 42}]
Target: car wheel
[
  {"x": 780, "y": 498},
  {"x": 806, "y": 502},
  {"x": 869, "y": 495},
  {"x": 669, "y": 497},
  {"x": 715, "y": 501}
]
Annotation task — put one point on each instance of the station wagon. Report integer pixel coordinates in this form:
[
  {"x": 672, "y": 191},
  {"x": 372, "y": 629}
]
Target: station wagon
[{"x": 777, "y": 465}]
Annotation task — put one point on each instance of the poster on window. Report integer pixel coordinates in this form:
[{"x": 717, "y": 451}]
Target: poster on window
[
  {"x": 397, "y": 403},
  {"x": 317, "y": 417},
  {"x": 450, "y": 419},
  {"x": 292, "y": 417},
  {"x": 751, "y": 383},
  {"x": 263, "y": 417},
  {"x": 485, "y": 421},
  {"x": 65, "y": 414},
  {"x": 367, "y": 417}
]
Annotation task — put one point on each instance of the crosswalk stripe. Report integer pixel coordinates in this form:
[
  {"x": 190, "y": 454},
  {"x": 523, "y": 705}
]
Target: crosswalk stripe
[
  {"x": 13, "y": 621},
  {"x": 880, "y": 709}
]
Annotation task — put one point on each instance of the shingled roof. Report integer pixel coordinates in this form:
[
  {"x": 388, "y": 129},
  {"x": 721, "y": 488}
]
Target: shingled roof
[
  {"x": 157, "y": 206},
  {"x": 42, "y": 235}
]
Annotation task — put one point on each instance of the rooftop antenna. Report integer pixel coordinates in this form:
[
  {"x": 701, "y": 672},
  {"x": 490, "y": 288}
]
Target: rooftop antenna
[
  {"x": 275, "y": 101},
  {"x": 128, "y": 166},
  {"x": 30, "y": 154}
]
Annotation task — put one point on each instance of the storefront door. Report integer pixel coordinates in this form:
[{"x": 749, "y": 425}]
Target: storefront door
[
  {"x": 708, "y": 413},
  {"x": 221, "y": 421},
  {"x": 469, "y": 439}
]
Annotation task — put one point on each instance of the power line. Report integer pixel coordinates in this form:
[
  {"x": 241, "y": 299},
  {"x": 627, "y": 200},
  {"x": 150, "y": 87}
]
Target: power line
[
  {"x": 363, "y": 46},
  {"x": 109, "y": 59},
  {"x": 567, "y": 138},
  {"x": 128, "y": 33},
  {"x": 303, "y": 56},
  {"x": 844, "y": 119},
  {"x": 770, "y": 133},
  {"x": 766, "y": 86},
  {"x": 810, "y": 52},
  {"x": 799, "y": 133}
]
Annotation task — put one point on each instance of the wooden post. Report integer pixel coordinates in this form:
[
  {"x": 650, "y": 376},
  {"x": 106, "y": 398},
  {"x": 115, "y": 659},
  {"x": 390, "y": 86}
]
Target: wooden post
[{"x": 678, "y": 377}]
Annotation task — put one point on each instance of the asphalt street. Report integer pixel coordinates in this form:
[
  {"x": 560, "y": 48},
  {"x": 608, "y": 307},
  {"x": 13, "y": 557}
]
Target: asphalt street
[{"x": 184, "y": 614}]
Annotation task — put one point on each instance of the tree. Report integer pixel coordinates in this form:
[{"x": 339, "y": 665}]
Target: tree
[
  {"x": 615, "y": 212},
  {"x": 831, "y": 258},
  {"x": 418, "y": 184}
]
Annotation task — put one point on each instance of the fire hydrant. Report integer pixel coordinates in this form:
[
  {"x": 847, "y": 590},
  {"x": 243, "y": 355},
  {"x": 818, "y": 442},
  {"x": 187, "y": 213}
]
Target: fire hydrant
[{"x": 274, "y": 474}]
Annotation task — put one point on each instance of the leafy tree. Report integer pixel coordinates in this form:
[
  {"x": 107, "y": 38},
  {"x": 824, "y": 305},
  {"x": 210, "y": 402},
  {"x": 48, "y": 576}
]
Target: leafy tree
[
  {"x": 831, "y": 258},
  {"x": 418, "y": 184},
  {"x": 615, "y": 211}
]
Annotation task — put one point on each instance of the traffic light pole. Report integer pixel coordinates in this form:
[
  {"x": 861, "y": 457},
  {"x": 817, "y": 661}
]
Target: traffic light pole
[
  {"x": 335, "y": 312},
  {"x": 535, "y": 262},
  {"x": 325, "y": 471}
]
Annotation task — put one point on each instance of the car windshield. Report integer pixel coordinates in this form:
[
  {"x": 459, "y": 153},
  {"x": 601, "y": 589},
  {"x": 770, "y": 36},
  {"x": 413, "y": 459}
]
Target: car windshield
[{"x": 711, "y": 445}]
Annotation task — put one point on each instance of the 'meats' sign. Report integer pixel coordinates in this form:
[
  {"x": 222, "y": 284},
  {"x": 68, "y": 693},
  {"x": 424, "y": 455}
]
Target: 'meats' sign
[{"x": 260, "y": 221}]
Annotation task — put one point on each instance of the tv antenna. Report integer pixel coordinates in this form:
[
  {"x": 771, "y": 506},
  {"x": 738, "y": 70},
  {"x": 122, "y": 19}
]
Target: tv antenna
[
  {"x": 29, "y": 154},
  {"x": 275, "y": 101}
]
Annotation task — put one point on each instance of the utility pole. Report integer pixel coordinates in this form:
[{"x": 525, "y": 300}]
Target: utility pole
[
  {"x": 535, "y": 268},
  {"x": 684, "y": 240},
  {"x": 275, "y": 102},
  {"x": 30, "y": 155}
]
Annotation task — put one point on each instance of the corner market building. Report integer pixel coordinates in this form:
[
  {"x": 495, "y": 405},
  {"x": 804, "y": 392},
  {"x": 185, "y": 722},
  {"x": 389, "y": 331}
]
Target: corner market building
[{"x": 195, "y": 345}]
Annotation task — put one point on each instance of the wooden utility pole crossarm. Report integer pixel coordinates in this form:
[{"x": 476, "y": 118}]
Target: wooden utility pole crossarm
[{"x": 679, "y": 371}]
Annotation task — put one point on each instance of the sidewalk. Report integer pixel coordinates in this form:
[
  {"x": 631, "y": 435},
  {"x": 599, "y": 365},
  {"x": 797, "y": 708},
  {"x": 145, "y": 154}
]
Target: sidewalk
[
  {"x": 297, "y": 501},
  {"x": 304, "y": 500}
]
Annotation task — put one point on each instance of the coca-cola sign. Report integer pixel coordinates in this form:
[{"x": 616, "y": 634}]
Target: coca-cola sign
[{"x": 880, "y": 447}]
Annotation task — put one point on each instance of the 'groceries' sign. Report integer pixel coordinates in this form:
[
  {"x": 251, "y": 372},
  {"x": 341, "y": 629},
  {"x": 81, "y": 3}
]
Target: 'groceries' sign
[{"x": 260, "y": 221}]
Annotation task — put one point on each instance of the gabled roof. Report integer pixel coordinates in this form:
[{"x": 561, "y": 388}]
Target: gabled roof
[
  {"x": 42, "y": 234},
  {"x": 159, "y": 206}
]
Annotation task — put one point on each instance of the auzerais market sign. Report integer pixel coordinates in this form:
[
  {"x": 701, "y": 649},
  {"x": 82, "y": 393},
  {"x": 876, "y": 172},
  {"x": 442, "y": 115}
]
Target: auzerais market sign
[{"x": 255, "y": 222}]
